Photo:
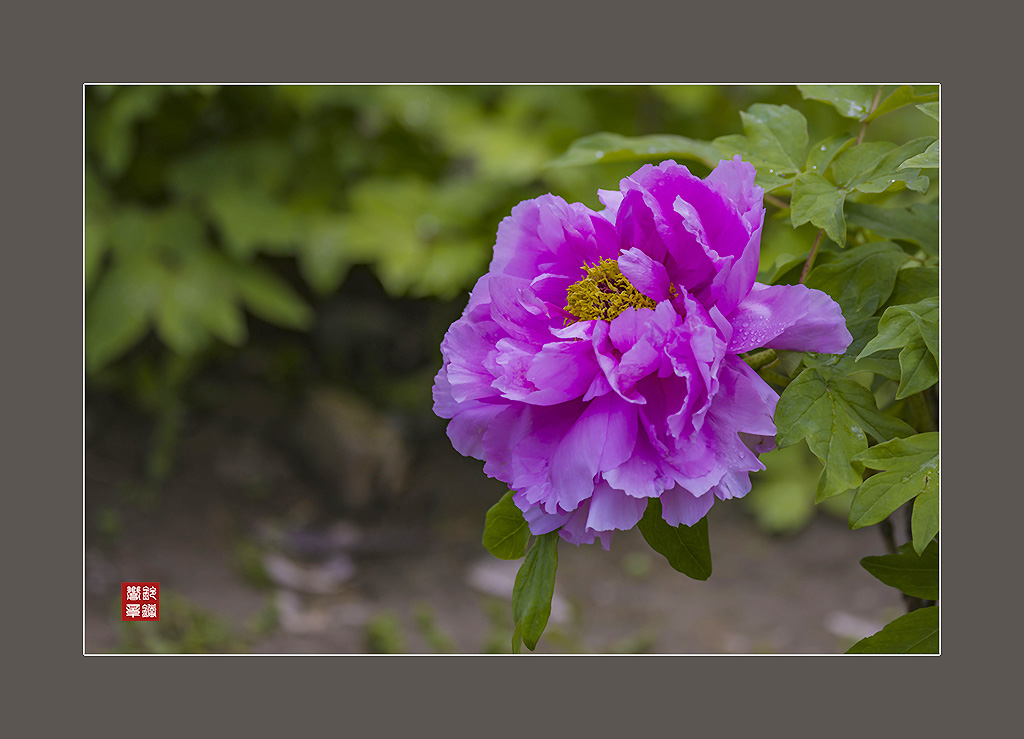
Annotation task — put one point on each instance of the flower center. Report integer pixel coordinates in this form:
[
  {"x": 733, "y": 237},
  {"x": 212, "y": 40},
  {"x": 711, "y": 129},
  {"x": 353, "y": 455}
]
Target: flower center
[{"x": 604, "y": 294}]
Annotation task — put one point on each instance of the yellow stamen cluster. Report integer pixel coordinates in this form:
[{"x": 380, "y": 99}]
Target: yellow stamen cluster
[{"x": 604, "y": 294}]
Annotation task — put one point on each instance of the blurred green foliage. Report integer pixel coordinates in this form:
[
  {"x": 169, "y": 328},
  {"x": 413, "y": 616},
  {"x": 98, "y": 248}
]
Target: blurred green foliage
[{"x": 207, "y": 207}]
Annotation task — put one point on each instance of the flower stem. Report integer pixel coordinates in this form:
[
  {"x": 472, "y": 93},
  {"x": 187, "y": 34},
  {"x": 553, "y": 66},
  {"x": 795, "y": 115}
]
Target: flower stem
[
  {"x": 778, "y": 203},
  {"x": 810, "y": 257}
]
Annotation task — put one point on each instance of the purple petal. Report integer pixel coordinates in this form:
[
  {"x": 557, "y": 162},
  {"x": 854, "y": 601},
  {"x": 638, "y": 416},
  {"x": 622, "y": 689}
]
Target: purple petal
[
  {"x": 612, "y": 509},
  {"x": 646, "y": 275},
  {"x": 792, "y": 317},
  {"x": 680, "y": 507}
]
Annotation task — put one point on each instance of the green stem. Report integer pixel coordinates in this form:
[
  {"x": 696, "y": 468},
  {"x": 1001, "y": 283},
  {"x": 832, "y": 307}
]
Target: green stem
[{"x": 810, "y": 257}]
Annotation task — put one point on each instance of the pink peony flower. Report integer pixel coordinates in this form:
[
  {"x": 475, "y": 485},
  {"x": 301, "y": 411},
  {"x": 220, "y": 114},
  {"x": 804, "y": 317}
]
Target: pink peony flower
[{"x": 596, "y": 364}]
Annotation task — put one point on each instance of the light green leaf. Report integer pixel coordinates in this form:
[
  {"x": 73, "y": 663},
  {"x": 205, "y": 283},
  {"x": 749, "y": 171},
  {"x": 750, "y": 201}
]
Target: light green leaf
[
  {"x": 775, "y": 142},
  {"x": 506, "y": 533},
  {"x": 903, "y": 95},
  {"x": 876, "y": 166},
  {"x": 910, "y": 573},
  {"x": 914, "y": 633},
  {"x": 901, "y": 325},
  {"x": 533, "y": 590},
  {"x": 818, "y": 201},
  {"x": 928, "y": 158},
  {"x": 687, "y": 548},
  {"x": 882, "y": 363},
  {"x": 930, "y": 109},
  {"x": 832, "y": 413},
  {"x": 119, "y": 310},
  {"x": 918, "y": 223},
  {"x": 851, "y": 101},
  {"x": 822, "y": 153},
  {"x": 272, "y": 299},
  {"x": 924, "y": 522},
  {"x": 603, "y": 148},
  {"x": 861, "y": 279},
  {"x": 919, "y": 369},
  {"x": 911, "y": 468}
]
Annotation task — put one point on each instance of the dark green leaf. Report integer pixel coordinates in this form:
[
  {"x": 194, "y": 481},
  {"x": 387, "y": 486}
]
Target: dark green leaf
[
  {"x": 913, "y": 633},
  {"x": 851, "y": 101},
  {"x": 911, "y": 468},
  {"x": 506, "y": 533},
  {"x": 687, "y": 548},
  {"x": 818, "y": 201},
  {"x": 602, "y": 148},
  {"x": 913, "y": 574},
  {"x": 533, "y": 590},
  {"x": 881, "y": 363},
  {"x": 860, "y": 280},
  {"x": 919, "y": 369},
  {"x": 918, "y": 223},
  {"x": 924, "y": 523},
  {"x": 913, "y": 285}
]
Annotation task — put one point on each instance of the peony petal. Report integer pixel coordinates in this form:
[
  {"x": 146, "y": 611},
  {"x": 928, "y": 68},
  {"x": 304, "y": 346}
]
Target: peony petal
[
  {"x": 646, "y": 275},
  {"x": 612, "y": 509},
  {"x": 679, "y": 507},
  {"x": 792, "y": 317}
]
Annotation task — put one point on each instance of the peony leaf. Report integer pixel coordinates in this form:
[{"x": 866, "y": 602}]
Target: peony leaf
[
  {"x": 851, "y": 101},
  {"x": 533, "y": 590},
  {"x": 927, "y": 159},
  {"x": 833, "y": 413},
  {"x": 910, "y": 573},
  {"x": 775, "y": 143},
  {"x": 911, "y": 468},
  {"x": 273, "y": 299},
  {"x": 918, "y": 223},
  {"x": 930, "y": 109},
  {"x": 919, "y": 369},
  {"x": 602, "y": 148},
  {"x": 877, "y": 166},
  {"x": 924, "y": 522},
  {"x": 687, "y": 548},
  {"x": 860, "y": 280},
  {"x": 822, "y": 153},
  {"x": 913, "y": 633},
  {"x": 506, "y": 533},
  {"x": 818, "y": 201},
  {"x": 903, "y": 95}
]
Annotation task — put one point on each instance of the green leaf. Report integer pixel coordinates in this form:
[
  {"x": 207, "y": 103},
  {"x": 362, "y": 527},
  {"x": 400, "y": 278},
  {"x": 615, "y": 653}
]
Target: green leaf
[
  {"x": 913, "y": 328},
  {"x": 918, "y": 223},
  {"x": 914, "y": 633},
  {"x": 913, "y": 285},
  {"x": 924, "y": 522},
  {"x": 851, "y": 101},
  {"x": 882, "y": 363},
  {"x": 919, "y": 369},
  {"x": 818, "y": 201},
  {"x": 910, "y": 573},
  {"x": 877, "y": 166},
  {"x": 903, "y": 95},
  {"x": 602, "y": 148},
  {"x": 901, "y": 324},
  {"x": 533, "y": 590},
  {"x": 506, "y": 533},
  {"x": 272, "y": 299},
  {"x": 822, "y": 153},
  {"x": 775, "y": 142},
  {"x": 861, "y": 279},
  {"x": 911, "y": 468},
  {"x": 928, "y": 158},
  {"x": 930, "y": 109},
  {"x": 119, "y": 310},
  {"x": 833, "y": 413},
  {"x": 687, "y": 548}
]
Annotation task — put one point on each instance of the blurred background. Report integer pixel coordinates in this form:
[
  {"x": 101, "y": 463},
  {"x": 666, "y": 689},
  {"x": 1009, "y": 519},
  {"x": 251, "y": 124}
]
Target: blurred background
[{"x": 269, "y": 272}]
